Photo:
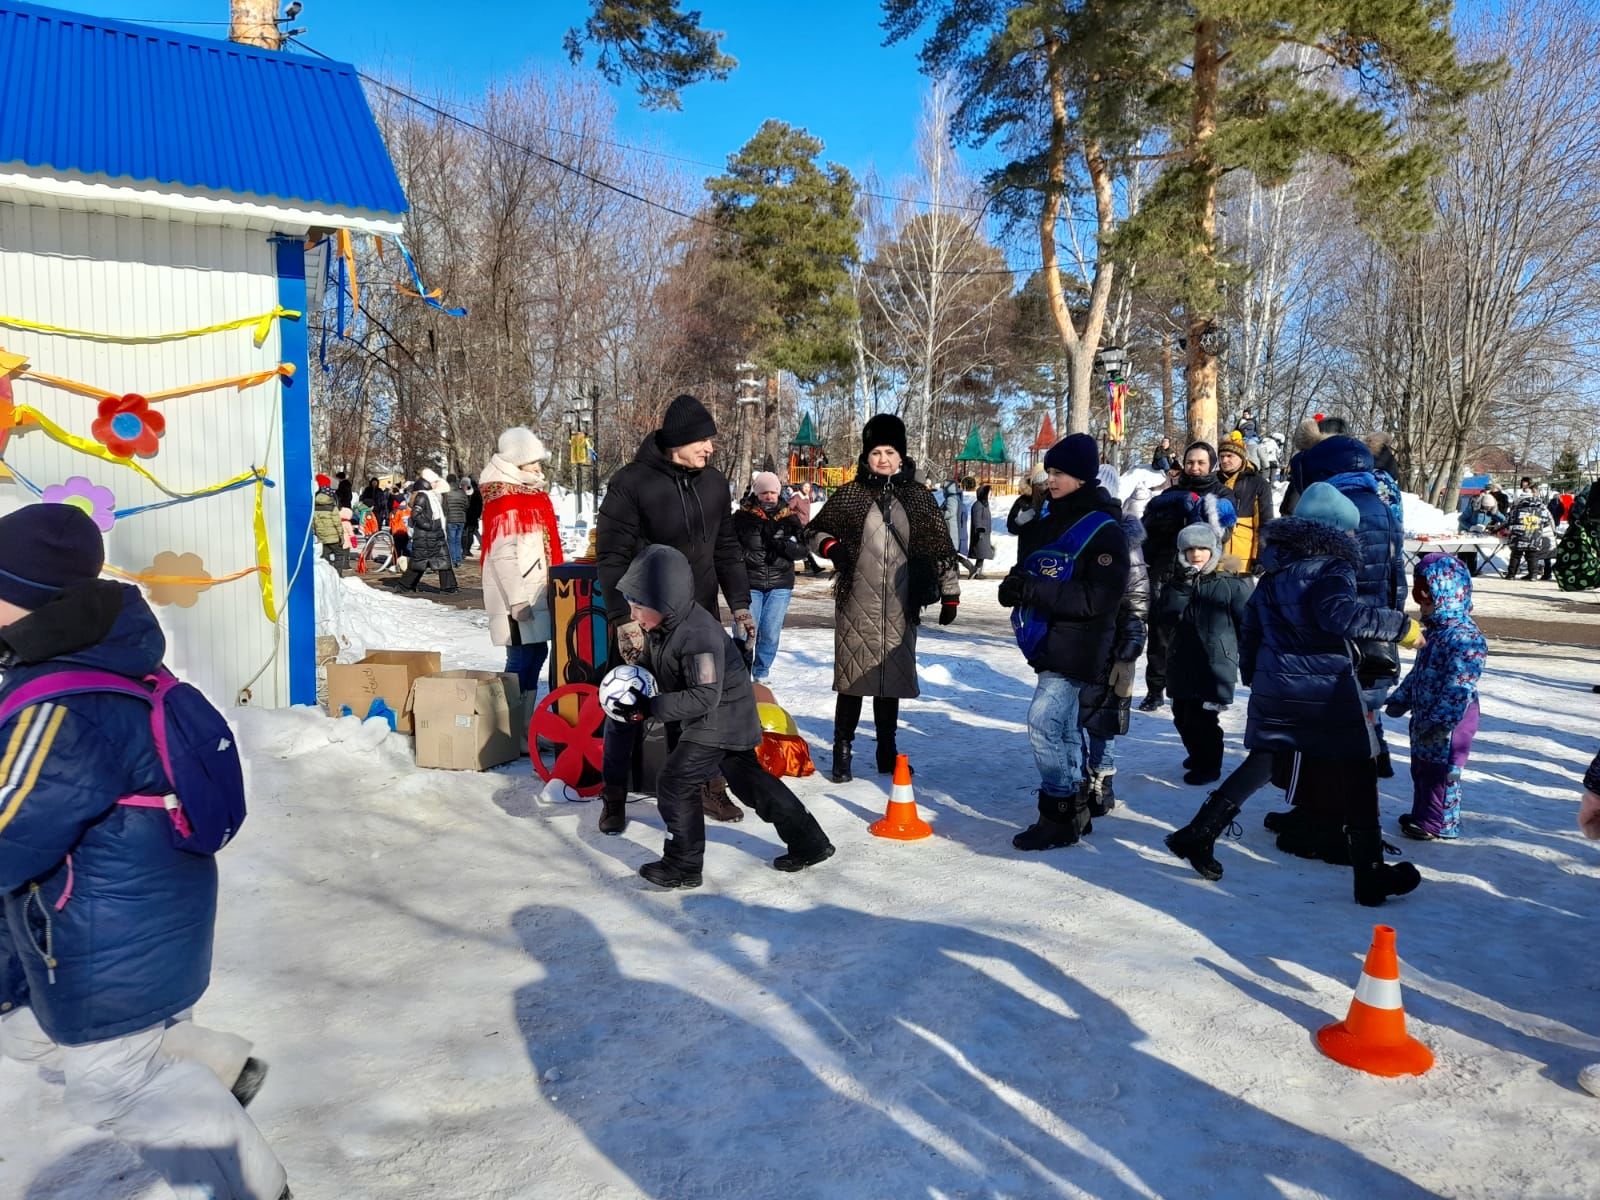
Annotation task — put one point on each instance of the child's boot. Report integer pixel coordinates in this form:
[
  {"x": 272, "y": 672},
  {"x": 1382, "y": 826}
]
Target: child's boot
[
  {"x": 1102, "y": 792},
  {"x": 1195, "y": 841},
  {"x": 715, "y": 803},
  {"x": 1376, "y": 880},
  {"x": 1057, "y": 825}
]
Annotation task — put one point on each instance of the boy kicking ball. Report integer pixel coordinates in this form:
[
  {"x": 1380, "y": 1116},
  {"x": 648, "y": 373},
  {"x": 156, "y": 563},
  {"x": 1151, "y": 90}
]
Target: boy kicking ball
[{"x": 705, "y": 691}]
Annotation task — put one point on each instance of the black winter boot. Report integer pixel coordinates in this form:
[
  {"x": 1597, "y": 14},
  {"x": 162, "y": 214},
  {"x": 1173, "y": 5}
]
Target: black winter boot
[
  {"x": 1194, "y": 842},
  {"x": 1376, "y": 880},
  {"x": 1081, "y": 815},
  {"x": 799, "y": 860},
  {"x": 1102, "y": 792},
  {"x": 887, "y": 751},
  {"x": 842, "y": 753},
  {"x": 251, "y": 1076},
  {"x": 1150, "y": 703},
  {"x": 1057, "y": 825},
  {"x": 411, "y": 581},
  {"x": 1284, "y": 822},
  {"x": 447, "y": 582},
  {"x": 1316, "y": 838},
  {"x": 666, "y": 874},
  {"x": 613, "y": 808}
]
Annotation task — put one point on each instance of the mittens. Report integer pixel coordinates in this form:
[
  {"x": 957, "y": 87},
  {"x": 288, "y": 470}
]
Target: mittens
[{"x": 947, "y": 609}]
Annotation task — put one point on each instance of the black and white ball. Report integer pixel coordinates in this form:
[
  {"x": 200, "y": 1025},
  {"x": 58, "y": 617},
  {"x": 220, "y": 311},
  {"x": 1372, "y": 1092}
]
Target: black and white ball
[{"x": 621, "y": 684}]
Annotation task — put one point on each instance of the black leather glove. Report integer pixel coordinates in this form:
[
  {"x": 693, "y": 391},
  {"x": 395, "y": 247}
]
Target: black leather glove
[
  {"x": 947, "y": 609},
  {"x": 1013, "y": 591},
  {"x": 634, "y": 709}
]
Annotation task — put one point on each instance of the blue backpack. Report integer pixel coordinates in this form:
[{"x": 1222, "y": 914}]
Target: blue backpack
[
  {"x": 1054, "y": 562},
  {"x": 194, "y": 741}
]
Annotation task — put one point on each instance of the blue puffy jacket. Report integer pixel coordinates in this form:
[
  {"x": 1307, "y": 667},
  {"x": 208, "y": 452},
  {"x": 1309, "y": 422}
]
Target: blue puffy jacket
[
  {"x": 1346, "y": 463},
  {"x": 1297, "y": 645},
  {"x": 95, "y": 886}
]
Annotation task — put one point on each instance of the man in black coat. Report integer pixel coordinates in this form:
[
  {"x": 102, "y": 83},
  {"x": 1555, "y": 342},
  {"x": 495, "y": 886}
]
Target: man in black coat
[
  {"x": 668, "y": 495},
  {"x": 345, "y": 492}
]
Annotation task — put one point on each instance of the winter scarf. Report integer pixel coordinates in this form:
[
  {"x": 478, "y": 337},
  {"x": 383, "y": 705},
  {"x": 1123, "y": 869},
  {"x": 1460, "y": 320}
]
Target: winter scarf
[
  {"x": 844, "y": 517},
  {"x": 515, "y": 502}
]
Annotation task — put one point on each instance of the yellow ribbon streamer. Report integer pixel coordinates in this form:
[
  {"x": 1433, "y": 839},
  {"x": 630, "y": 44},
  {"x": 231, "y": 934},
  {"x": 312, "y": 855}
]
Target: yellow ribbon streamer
[
  {"x": 239, "y": 382},
  {"x": 24, "y": 416},
  {"x": 153, "y": 580},
  {"x": 260, "y": 325},
  {"x": 264, "y": 555},
  {"x": 346, "y": 247}
]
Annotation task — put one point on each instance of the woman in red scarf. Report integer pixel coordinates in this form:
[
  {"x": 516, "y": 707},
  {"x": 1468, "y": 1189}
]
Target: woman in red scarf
[{"x": 521, "y": 542}]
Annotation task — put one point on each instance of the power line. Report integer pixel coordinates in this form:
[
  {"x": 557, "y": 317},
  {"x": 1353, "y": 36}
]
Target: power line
[{"x": 589, "y": 176}]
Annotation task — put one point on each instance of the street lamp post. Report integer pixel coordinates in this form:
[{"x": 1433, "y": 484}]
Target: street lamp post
[
  {"x": 1112, "y": 362},
  {"x": 750, "y": 396}
]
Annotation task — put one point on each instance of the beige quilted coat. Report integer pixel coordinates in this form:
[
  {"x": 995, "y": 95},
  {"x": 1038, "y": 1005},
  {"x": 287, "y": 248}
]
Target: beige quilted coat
[{"x": 875, "y": 637}]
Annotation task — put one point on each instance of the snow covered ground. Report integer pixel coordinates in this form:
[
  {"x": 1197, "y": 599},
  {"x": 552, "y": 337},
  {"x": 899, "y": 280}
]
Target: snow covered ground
[{"x": 468, "y": 995}]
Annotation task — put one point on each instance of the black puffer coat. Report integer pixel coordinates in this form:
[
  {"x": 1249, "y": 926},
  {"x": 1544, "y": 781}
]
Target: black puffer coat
[
  {"x": 1296, "y": 647},
  {"x": 980, "y": 540},
  {"x": 705, "y": 686},
  {"x": 429, "y": 549},
  {"x": 772, "y": 541},
  {"x": 1082, "y": 610},
  {"x": 653, "y": 501},
  {"x": 1167, "y": 514},
  {"x": 1204, "y": 613},
  {"x": 455, "y": 506},
  {"x": 1101, "y": 710}
]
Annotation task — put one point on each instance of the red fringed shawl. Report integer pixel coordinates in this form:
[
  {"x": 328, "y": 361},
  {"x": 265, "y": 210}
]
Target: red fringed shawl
[{"x": 510, "y": 510}]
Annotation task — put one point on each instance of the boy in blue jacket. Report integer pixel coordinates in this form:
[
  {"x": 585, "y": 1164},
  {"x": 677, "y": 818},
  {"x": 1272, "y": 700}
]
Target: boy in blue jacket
[
  {"x": 106, "y": 941},
  {"x": 1441, "y": 694}
]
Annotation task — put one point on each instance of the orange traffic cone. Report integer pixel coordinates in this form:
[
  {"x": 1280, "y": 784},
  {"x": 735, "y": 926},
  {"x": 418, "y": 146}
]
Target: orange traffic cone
[
  {"x": 901, "y": 821},
  {"x": 1373, "y": 1037}
]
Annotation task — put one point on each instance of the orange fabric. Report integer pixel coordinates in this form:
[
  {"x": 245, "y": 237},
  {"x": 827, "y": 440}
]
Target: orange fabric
[{"x": 783, "y": 755}]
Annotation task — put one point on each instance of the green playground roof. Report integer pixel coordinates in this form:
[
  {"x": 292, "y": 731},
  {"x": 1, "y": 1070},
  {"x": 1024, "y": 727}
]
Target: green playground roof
[{"x": 808, "y": 433}]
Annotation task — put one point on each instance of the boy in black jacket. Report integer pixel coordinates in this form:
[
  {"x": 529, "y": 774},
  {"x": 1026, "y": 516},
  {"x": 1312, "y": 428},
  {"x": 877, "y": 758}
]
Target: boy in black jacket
[
  {"x": 1202, "y": 609},
  {"x": 1071, "y": 573},
  {"x": 705, "y": 690}
]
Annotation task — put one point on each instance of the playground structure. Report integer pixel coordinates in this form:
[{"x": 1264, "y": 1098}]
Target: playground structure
[
  {"x": 992, "y": 466},
  {"x": 808, "y": 462}
]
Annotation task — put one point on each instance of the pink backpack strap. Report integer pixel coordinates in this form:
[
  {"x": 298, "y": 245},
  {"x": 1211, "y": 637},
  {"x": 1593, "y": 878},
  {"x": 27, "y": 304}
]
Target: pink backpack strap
[{"x": 70, "y": 683}]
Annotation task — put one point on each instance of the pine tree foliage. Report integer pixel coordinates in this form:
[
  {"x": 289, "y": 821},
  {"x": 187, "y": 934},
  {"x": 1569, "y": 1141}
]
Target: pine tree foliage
[
  {"x": 653, "y": 42},
  {"x": 791, "y": 228}
]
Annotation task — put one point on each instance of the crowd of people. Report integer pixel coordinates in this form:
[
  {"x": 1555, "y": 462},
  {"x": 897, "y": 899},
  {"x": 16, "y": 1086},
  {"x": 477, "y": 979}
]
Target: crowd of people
[{"x": 1306, "y": 608}]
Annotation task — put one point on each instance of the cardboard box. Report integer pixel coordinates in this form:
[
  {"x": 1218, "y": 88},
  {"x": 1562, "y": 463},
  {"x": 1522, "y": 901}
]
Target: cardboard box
[
  {"x": 385, "y": 675},
  {"x": 467, "y": 720}
]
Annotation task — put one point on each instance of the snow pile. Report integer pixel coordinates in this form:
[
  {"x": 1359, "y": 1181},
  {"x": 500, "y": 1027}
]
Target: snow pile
[
  {"x": 365, "y": 618},
  {"x": 1424, "y": 520}
]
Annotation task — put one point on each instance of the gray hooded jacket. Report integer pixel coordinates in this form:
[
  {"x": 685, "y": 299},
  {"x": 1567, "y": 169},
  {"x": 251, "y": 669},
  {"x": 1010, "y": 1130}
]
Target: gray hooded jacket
[{"x": 705, "y": 685}]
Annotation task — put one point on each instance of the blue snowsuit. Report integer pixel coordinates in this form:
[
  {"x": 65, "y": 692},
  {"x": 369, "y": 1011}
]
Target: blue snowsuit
[{"x": 1441, "y": 694}]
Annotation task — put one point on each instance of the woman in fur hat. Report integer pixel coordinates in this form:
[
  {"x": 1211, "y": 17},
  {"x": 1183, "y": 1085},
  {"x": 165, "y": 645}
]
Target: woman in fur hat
[
  {"x": 892, "y": 553},
  {"x": 521, "y": 542}
]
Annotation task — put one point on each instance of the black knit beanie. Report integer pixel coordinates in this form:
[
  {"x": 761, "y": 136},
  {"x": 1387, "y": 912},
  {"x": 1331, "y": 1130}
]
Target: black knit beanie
[
  {"x": 885, "y": 429},
  {"x": 687, "y": 421},
  {"x": 1076, "y": 455},
  {"x": 45, "y": 549}
]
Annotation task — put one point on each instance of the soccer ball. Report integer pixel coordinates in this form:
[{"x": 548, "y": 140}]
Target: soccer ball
[{"x": 620, "y": 683}]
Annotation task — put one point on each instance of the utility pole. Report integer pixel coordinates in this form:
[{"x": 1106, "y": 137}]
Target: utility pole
[{"x": 257, "y": 23}]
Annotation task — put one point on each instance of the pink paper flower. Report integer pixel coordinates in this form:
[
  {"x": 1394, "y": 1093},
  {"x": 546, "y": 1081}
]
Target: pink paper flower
[{"x": 98, "y": 502}]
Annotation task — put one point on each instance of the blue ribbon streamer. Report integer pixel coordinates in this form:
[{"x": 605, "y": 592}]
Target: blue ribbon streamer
[
  {"x": 422, "y": 289},
  {"x": 120, "y": 513}
]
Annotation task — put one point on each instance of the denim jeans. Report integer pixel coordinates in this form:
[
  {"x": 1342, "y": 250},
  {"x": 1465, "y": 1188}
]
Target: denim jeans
[
  {"x": 527, "y": 664},
  {"x": 1100, "y": 753},
  {"x": 453, "y": 535},
  {"x": 1053, "y": 731},
  {"x": 769, "y": 609}
]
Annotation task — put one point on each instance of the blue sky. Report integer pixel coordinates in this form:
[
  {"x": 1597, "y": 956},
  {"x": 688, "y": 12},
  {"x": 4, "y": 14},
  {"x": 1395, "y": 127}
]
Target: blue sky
[{"x": 820, "y": 65}]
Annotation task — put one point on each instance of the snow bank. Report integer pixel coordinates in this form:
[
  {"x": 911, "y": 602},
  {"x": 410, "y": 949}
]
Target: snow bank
[
  {"x": 364, "y": 618},
  {"x": 1424, "y": 520}
]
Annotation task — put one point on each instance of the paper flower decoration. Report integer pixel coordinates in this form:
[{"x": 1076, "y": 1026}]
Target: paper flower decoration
[
  {"x": 128, "y": 427},
  {"x": 7, "y": 416},
  {"x": 176, "y": 579},
  {"x": 98, "y": 502}
]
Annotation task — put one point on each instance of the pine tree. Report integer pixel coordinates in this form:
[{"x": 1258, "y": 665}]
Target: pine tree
[
  {"x": 664, "y": 49},
  {"x": 790, "y": 227},
  {"x": 1379, "y": 90},
  {"x": 1567, "y": 473}
]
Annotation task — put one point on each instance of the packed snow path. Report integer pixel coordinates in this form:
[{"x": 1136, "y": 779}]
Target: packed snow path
[{"x": 467, "y": 995}]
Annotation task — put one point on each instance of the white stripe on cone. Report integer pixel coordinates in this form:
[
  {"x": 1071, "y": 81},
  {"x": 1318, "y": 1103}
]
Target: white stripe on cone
[
  {"x": 1378, "y": 993},
  {"x": 902, "y": 794}
]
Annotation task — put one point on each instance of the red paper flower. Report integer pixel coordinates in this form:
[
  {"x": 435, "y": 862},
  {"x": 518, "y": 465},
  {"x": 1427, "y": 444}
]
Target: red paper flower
[{"x": 128, "y": 426}]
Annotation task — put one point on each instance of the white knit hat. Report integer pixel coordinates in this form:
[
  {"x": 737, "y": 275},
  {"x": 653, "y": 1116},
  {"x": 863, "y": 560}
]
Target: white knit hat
[{"x": 520, "y": 446}]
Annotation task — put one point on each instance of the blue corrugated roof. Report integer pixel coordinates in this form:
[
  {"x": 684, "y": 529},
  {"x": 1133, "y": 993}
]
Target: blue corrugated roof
[{"x": 85, "y": 94}]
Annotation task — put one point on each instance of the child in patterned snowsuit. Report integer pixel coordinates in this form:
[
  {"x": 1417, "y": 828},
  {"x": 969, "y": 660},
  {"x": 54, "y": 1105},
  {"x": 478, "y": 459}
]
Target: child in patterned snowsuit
[{"x": 1441, "y": 693}]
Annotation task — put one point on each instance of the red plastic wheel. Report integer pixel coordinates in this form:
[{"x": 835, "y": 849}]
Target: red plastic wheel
[{"x": 568, "y": 752}]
